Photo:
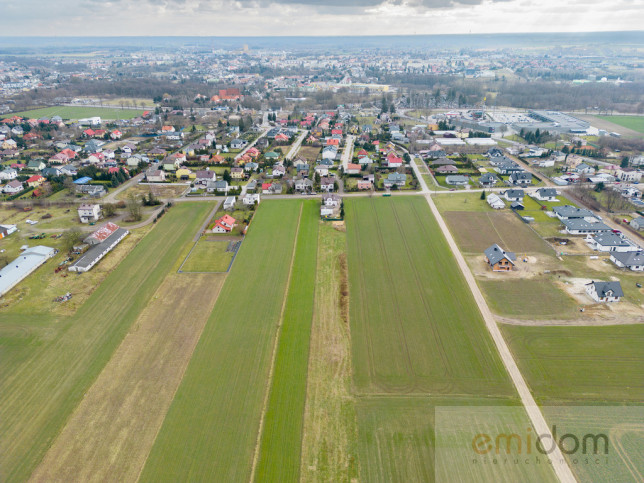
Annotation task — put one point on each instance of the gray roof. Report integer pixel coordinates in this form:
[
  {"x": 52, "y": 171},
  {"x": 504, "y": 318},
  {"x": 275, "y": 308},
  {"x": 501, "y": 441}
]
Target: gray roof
[
  {"x": 396, "y": 177},
  {"x": 456, "y": 179},
  {"x": 521, "y": 175},
  {"x": 547, "y": 192},
  {"x": 581, "y": 224},
  {"x": 514, "y": 193},
  {"x": 629, "y": 258},
  {"x": 444, "y": 162},
  {"x": 611, "y": 239},
  {"x": 495, "y": 253},
  {"x": 23, "y": 265},
  {"x": 603, "y": 289},
  {"x": 488, "y": 178},
  {"x": 97, "y": 251},
  {"x": 568, "y": 211}
]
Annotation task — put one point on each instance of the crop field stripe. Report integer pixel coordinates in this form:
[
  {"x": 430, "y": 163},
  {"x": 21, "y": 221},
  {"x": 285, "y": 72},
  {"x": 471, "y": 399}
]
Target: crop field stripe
[
  {"x": 210, "y": 431},
  {"x": 40, "y": 394},
  {"x": 281, "y": 438}
]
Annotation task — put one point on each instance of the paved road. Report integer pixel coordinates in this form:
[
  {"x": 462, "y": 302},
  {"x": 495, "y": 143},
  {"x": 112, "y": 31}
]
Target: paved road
[
  {"x": 296, "y": 145},
  {"x": 347, "y": 154},
  {"x": 250, "y": 145},
  {"x": 111, "y": 196},
  {"x": 534, "y": 413}
]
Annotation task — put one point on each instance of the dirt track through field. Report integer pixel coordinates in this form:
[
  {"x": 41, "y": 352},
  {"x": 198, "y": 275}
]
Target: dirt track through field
[{"x": 109, "y": 435}]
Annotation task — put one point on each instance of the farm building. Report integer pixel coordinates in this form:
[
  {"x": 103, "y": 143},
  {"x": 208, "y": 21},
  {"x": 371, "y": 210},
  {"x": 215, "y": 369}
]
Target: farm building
[
  {"x": 498, "y": 259},
  {"x": 611, "y": 242},
  {"x": 495, "y": 202},
  {"x": 101, "y": 242},
  {"x": 27, "y": 262},
  {"x": 604, "y": 291},
  {"x": 89, "y": 212},
  {"x": 631, "y": 260},
  {"x": 6, "y": 230},
  {"x": 224, "y": 224}
]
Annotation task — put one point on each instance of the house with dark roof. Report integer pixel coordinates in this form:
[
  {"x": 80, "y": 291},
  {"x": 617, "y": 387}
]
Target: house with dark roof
[
  {"x": 521, "y": 178},
  {"x": 604, "y": 291},
  {"x": 513, "y": 195},
  {"x": 488, "y": 180},
  {"x": 611, "y": 242},
  {"x": 498, "y": 259},
  {"x": 545, "y": 194},
  {"x": 631, "y": 260},
  {"x": 568, "y": 212},
  {"x": 581, "y": 226}
]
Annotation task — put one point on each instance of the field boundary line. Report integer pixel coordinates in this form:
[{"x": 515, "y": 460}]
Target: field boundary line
[
  {"x": 559, "y": 464},
  {"x": 198, "y": 236},
  {"x": 274, "y": 354}
]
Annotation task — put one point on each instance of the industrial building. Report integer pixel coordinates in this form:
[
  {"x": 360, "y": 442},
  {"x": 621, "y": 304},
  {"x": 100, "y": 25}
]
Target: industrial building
[
  {"x": 28, "y": 261},
  {"x": 101, "y": 242}
]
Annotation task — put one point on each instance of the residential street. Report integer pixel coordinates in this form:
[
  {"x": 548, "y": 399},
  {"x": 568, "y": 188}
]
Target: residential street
[
  {"x": 347, "y": 154},
  {"x": 296, "y": 145}
]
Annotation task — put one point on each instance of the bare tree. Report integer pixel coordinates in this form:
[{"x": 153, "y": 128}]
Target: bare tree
[{"x": 134, "y": 207}]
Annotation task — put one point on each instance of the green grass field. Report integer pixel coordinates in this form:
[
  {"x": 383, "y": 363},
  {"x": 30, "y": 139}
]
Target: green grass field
[
  {"x": 528, "y": 298},
  {"x": 74, "y": 113},
  {"x": 636, "y": 123},
  {"x": 563, "y": 364},
  {"x": 210, "y": 431},
  {"x": 208, "y": 256},
  {"x": 281, "y": 439},
  {"x": 48, "y": 363},
  {"x": 414, "y": 323},
  {"x": 461, "y": 202}
]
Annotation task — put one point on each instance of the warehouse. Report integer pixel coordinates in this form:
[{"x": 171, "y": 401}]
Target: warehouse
[
  {"x": 101, "y": 242},
  {"x": 27, "y": 262}
]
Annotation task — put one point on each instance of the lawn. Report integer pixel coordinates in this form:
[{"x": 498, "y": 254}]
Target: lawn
[
  {"x": 209, "y": 256},
  {"x": 310, "y": 153},
  {"x": 415, "y": 327},
  {"x": 460, "y": 202},
  {"x": 49, "y": 363},
  {"x": 211, "y": 430},
  {"x": 528, "y": 298},
  {"x": 564, "y": 364},
  {"x": 281, "y": 439},
  {"x": 636, "y": 123},
  {"x": 330, "y": 437},
  {"x": 474, "y": 232},
  {"x": 74, "y": 113}
]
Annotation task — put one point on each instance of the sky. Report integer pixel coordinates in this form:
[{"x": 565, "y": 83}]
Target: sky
[{"x": 309, "y": 17}]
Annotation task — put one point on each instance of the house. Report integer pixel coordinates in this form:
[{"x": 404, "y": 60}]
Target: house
[
  {"x": 238, "y": 143},
  {"x": 237, "y": 173},
  {"x": 36, "y": 164},
  {"x": 203, "y": 176},
  {"x": 583, "y": 168},
  {"x": 393, "y": 161},
  {"x": 271, "y": 155},
  {"x": 585, "y": 226},
  {"x": 637, "y": 223},
  {"x": 278, "y": 171},
  {"x": 365, "y": 185},
  {"x": 184, "y": 174},
  {"x": 495, "y": 202},
  {"x": 229, "y": 203},
  {"x": 266, "y": 188},
  {"x": 91, "y": 190},
  {"x": 51, "y": 172},
  {"x": 69, "y": 170},
  {"x": 321, "y": 170},
  {"x": 8, "y": 174},
  {"x": 303, "y": 184},
  {"x": 35, "y": 181},
  {"x": 498, "y": 259},
  {"x": 331, "y": 199},
  {"x": 513, "y": 195},
  {"x": 224, "y": 224},
  {"x": 568, "y": 212},
  {"x": 488, "y": 180},
  {"x": 520, "y": 178},
  {"x": 327, "y": 184},
  {"x": 89, "y": 212},
  {"x": 116, "y": 134},
  {"x": 611, "y": 242},
  {"x": 331, "y": 205},
  {"x": 251, "y": 199},
  {"x": 447, "y": 169},
  {"x": 545, "y": 194},
  {"x": 13, "y": 187},
  {"x": 395, "y": 179},
  {"x": 330, "y": 153},
  {"x": 365, "y": 160},
  {"x": 352, "y": 169},
  {"x": 629, "y": 175},
  {"x": 457, "y": 180},
  {"x": 59, "y": 158},
  {"x": 631, "y": 260},
  {"x": 604, "y": 291},
  {"x": 220, "y": 186},
  {"x": 155, "y": 176}
]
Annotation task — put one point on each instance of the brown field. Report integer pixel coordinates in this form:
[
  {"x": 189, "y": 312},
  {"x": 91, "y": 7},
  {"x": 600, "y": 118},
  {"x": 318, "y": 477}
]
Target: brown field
[
  {"x": 160, "y": 191},
  {"x": 474, "y": 232},
  {"x": 109, "y": 436},
  {"x": 309, "y": 152},
  {"x": 329, "y": 442}
]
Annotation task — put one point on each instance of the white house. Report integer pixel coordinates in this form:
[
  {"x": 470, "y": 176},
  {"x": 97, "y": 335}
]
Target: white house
[
  {"x": 629, "y": 175},
  {"x": 513, "y": 195},
  {"x": 495, "y": 202},
  {"x": 611, "y": 242},
  {"x": 585, "y": 226},
  {"x": 251, "y": 199},
  {"x": 631, "y": 260},
  {"x": 13, "y": 187},
  {"x": 545, "y": 194},
  {"x": 8, "y": 174},
  {"x": 229, "y": 203},
  {"x": 155, "y": 176},
  {"x": 89, "y": 212},
  {"x": 604, "y": 291}
]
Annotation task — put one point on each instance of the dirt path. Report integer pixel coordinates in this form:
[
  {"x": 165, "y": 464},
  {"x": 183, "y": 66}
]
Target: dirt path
[
  {"x": 559, "y": 464},
  {"x": 594, "y": 322}
]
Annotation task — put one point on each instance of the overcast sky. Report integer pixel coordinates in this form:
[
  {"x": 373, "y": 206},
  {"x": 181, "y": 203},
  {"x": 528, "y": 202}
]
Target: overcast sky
[{"x": 310, "y": 17}]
